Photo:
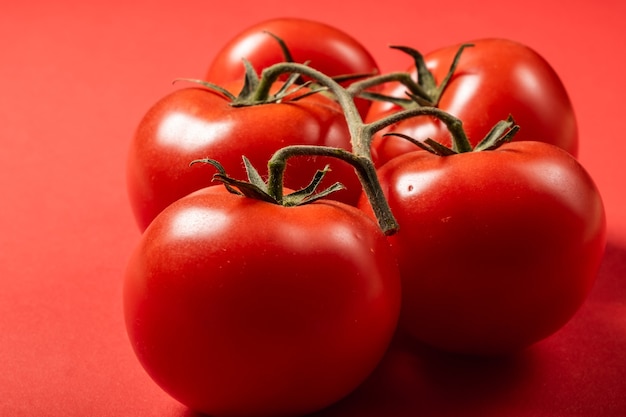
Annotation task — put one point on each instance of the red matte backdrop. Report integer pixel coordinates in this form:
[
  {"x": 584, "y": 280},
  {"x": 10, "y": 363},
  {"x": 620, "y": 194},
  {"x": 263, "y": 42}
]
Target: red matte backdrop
[{"x": 76, "y": 77}]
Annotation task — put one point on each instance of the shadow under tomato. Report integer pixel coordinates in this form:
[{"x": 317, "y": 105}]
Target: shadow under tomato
[
  {"x": 191, "y": 413},
  {"x": 416, "y": 380}
]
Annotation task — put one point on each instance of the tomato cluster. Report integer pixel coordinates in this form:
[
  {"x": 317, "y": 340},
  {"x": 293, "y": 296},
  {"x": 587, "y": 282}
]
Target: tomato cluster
[{"x": 457, "y": 214}]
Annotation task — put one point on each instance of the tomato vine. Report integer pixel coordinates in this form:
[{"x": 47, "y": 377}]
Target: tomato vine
[{"x": 361, "y": 135}]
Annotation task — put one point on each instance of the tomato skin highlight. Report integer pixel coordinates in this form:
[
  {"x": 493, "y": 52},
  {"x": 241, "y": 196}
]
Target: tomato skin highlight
[
  {"x": 494, "y": 78},
  {"x": 194, "y": 123},
  {"x": 324, "y": 47},
  {"x": 237, "y": 307},
  {"x": 497, "y": 249}
]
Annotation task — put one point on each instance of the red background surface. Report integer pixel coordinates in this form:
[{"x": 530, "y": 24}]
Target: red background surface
[{"x": 76, "y": 77}]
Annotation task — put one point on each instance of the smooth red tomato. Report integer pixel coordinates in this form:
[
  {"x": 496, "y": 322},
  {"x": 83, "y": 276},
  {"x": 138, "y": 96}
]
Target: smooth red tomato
[
  {"x": 325, "y": 48},
  {"x": 495, "y": 78},
  {"x": 194, "y": 123},
  {"x": 238, "y": 307},
  {"x": 497, "y": 249}
]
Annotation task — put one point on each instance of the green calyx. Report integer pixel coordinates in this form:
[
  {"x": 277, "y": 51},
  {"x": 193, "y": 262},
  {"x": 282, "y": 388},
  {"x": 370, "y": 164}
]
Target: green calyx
[
  {"x": 249, "y": 94},
  {"x": 503, "y": 132},
  {"x": 253, "y": 94},
  {"x": 258, "y": 189},
  {"x": 424, "y": 91}
]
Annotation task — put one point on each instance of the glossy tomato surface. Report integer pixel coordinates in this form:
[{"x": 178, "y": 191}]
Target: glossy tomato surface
[
  {"x": 494, "y": 78},
  {"x": 238, "y": 307},
  {"x": 194, "y": 123},
  {"x": 324, "y": 47},
  {"x": 497, "y": 249}
]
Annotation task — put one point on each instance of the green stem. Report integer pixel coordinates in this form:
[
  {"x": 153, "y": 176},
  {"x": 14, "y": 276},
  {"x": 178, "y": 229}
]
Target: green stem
[
  {"x": 460, "y": 142},
  {"x": 361, "y": 135},
  {"x": 360, "y": 157},
  {"x": 353, "y": 118},
  {"x": 364, "y": 168}
]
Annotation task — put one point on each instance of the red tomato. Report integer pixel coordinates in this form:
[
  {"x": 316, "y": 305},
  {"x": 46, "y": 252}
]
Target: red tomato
[
  {"x": 325, "y": 48},
  {"x": 238, "y": 307},
  {"x": 497, "y": 249},
  {"x": 494, "y": 78},
  {"x": 195, "y": 123}
]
